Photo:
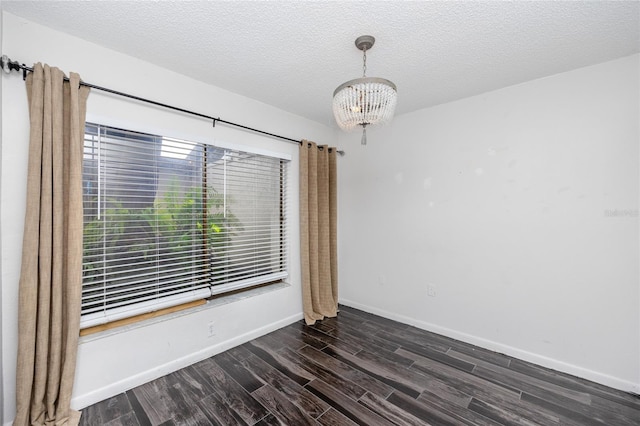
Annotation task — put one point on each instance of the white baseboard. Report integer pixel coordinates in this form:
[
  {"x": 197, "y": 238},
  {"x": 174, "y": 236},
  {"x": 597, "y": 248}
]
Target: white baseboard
[
  {"x": 604, "y": 379},
  {"x": 81, "y": 401}
]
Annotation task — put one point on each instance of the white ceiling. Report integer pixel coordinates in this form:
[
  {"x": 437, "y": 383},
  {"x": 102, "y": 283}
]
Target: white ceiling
[{"x": 293, "y": 54}]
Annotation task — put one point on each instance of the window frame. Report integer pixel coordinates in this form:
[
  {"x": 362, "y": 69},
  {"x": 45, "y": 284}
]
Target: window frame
[{"x": 114, "y": 314}]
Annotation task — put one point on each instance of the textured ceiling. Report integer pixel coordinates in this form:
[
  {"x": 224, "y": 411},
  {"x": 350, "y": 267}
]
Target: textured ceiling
[{"x": 294, "y": 54}]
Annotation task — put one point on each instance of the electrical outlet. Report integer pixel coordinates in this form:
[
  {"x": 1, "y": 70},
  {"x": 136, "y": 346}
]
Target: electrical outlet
[
  {"x": 211, "y": 330},
  {"x": 431, "y": 290}
]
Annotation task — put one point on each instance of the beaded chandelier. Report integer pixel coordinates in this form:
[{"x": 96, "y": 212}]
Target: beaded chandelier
[{"x": 366, "y": 100}]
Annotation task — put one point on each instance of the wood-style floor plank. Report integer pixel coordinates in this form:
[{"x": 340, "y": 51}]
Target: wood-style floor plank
[
  {"x": 335, "y": 418},
  {"x": 137, "y": 410},
  {"x": 219, "y": 412},
  {"x": 328, "y": 376},
  {"x": 329, "y": 340},
  {"x": 156, "y": 399},
  {"x": 575, "y": 383},
  {"x": 295, "y": 373},
  {"x": 499, "y": 414},
  {"x": 534, "y": 386},
  {"x": 390, "y": 411},
  {"x": 347, "y": 406},
  {"x": 401, "y": 382},
  {"x": 356, "y": 376},
  {"x": 361, "y": 369},
  {"x": 269, "y": 420},
  {"x": 244, "y": 377},
  {"x": 297, "y": 394},
  {"x": 460, "y": 412},
  {"x": 304, "y": 338},
  {"x": 461, "y": 380},
  {"x": 284, "y": 410},
  {"x": 128, "y": 419},
  {"x": 362, "y": 334},
  {"x": 229, "y": 390},
  {"x": 110, "y": 411},
  {"x": 421, "y": 410}
]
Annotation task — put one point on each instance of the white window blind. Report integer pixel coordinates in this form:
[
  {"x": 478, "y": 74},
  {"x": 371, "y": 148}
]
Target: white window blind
[{"x": 168, "y": 221}]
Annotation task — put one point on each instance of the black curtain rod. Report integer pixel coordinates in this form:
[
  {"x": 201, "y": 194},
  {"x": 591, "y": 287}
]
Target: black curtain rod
[{"x": 8, "y": 65}]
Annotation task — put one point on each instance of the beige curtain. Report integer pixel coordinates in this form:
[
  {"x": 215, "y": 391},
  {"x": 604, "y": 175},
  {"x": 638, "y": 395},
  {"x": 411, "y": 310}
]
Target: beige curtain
[
  {"x": 51, "y": 276},
  {"x": 318, "y": 231}
]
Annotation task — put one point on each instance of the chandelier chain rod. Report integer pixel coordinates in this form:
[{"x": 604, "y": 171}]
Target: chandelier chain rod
[{"x": 364, "y": 62}]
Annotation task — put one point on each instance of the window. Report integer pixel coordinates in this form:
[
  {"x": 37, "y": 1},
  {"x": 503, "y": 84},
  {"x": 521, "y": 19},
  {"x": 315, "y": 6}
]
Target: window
[{"x": 168, "y": 221}]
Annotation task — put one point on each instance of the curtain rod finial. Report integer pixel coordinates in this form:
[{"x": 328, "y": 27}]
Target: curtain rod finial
[
  {"x": 4, "y": 61},
  {"x": 8, "y": 65}
]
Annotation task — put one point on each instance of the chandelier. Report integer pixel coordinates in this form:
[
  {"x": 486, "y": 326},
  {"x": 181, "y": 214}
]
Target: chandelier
[{"x": 366, "y": 100}]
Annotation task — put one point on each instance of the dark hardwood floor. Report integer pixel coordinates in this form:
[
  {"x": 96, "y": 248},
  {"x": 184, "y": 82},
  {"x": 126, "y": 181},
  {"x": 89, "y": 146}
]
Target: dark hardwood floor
[{"x": 366, "y": 370}]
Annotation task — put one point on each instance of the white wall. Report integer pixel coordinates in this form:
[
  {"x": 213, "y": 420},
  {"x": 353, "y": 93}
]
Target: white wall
[
  {"x": 115, "y": 362},
  {"x": 1, "y": 304},
  {"x": 505, "y": 202}
]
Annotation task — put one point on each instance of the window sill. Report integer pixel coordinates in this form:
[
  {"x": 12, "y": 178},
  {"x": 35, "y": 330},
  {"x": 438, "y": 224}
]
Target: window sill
[{"x": 211, "y": 303}]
